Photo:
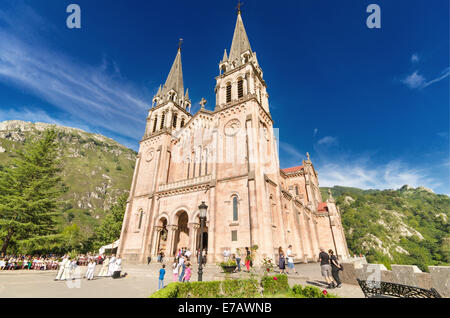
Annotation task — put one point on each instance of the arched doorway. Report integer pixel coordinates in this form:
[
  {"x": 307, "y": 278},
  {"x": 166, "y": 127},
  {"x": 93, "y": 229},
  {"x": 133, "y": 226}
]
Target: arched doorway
[
  {"x": 182, "y": 233},
  {"x": 162, "y": 236}
]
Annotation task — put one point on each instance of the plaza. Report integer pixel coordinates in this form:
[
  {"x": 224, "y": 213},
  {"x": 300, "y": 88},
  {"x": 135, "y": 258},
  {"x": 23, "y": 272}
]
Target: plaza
[{"x": 141, "y": 281}]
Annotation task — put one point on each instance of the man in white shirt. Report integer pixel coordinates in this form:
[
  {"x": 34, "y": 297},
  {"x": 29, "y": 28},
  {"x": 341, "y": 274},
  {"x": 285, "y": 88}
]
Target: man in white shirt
[
  {"x": 290, "y": 259},
  {"x": 188, "y": 254},
  {"x": 226, "y": 254}
]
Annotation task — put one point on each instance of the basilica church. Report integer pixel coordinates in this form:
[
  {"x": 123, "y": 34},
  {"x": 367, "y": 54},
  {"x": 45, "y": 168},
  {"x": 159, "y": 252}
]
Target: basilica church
[{"x": 227, "y": 158}]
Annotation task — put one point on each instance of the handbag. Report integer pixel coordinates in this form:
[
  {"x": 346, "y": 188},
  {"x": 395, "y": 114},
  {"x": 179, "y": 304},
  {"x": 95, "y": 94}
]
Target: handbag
[{"x": 341, "y": 268}]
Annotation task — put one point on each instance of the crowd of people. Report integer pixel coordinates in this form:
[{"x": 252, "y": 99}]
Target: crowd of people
[
  {"x": 181, "y": 266},
  {"x": 68, "y": 267},
  {"x": 28, "y": 262},
  {"x": 111, "y": 266}
]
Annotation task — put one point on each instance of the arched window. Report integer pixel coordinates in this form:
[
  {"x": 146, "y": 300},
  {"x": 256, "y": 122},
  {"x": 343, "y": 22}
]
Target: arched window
[
  {"x": 240, "y": 88},
  {"x": 228, "y": 92},
  {"x": 174, "y": 122},
  {"x": 235, "y": 208},
  {"x": 163, "y": 117},
  {"x": 155, "y": 123},
  {"x": 141, "y": 214},
  {"x": 182, "y": 123}
]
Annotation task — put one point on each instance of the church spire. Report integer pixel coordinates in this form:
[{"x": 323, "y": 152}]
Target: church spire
[
  {"x": 175, "y": 78},
  {"x": 240, "y": 42}
]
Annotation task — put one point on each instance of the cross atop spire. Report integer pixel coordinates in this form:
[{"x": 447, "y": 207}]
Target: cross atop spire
[
  {"x": 239, "y": 6},
  {"x": 180, "y": 42}
]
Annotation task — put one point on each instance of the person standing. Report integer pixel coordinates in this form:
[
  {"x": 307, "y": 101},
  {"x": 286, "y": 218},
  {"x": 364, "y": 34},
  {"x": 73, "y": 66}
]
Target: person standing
[
  {"x": 325, "y": 267},
  {"x": 281, "y": 260},
  {"x": 175, "y": 269},
  {"x": 73, "y": 269},
  {"x": 162, "y": 272},
  {"x": 90, "y": 270},
  {"x": 182, "y": 266},
  {"x": 104, "y": 269},
  {"x": 204, "y": 256},
  {"x": 62, "y": 264},
  {"x": 238, "y": 260},
  {"x": 66, "y": 272},
  {"x": 187, "y": 275},
  {"x": 247, "y": 258},
  {"x": 335, "y": 268},
  {"x": 290, "y": 259}
]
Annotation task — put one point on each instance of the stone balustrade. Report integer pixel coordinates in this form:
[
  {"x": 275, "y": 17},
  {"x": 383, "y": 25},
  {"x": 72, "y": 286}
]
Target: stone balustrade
[
  {"x": 438, "y": 277},
  {"x": 185, "y": 183}
]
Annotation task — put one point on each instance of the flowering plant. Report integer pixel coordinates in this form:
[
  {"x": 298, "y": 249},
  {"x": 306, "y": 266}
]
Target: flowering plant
[
  {"x": 267, "y": 264},
  {"x": 324, "y": 292}
]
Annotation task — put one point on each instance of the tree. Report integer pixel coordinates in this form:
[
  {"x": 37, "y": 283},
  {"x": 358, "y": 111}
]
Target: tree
[
  {"x": 109, "y": 230},
  {"x": 29, "y": 191}
]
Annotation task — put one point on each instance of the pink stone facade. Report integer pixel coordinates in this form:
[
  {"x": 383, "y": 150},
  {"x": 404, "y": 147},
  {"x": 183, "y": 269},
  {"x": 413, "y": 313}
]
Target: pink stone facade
[{"x": 227, "y": 158}]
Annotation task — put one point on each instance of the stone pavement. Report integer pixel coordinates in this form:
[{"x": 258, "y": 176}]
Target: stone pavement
[{"x": 141, "y": 281}]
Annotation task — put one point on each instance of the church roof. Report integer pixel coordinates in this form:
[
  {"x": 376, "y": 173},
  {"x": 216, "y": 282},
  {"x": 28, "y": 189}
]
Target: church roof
[
  {"x": 175, "y": 79},
  {"x": 240, "y": 42},
  {"x": 292, "y": 169}
]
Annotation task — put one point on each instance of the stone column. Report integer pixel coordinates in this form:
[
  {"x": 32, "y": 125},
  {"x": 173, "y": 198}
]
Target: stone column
[
  {"x": 172, "y": 231},
  {"x": 156, "y": 238},
  {"x": 193, "y": 233}
]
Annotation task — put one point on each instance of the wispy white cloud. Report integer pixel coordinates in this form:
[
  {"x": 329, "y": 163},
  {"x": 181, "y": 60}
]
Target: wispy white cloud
[
  {"x": 364, "y": 174},
  {"x": 92, "y": 94},
  {"x": 289, "y": 155},
  {"x": 328, "y": 141},
  {"x": 415, "y": 80},
  {"x": 444, "y": 74}
]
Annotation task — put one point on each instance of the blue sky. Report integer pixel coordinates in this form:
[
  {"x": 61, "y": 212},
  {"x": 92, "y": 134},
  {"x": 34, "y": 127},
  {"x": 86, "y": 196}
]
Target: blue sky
[{"x": 370, "y": 105}]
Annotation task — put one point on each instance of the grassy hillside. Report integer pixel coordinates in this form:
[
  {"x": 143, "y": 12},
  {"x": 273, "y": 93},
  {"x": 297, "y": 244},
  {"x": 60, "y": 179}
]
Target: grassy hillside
[
  {"x": 404, "y": 226},
  {"x": 96, "y": 169}
]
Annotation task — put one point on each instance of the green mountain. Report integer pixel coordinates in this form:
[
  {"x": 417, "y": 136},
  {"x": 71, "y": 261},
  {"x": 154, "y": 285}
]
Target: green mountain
[
  {"x": 96, "y": 169},
  {"x": 404, "y": 226}
]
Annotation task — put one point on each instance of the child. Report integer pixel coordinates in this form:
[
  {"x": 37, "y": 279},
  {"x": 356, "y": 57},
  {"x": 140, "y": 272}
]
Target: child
[
  {"x": 187, "y": 275},
  {"x": 162, "y": 272},
  {"x": 175, "y": 270}
]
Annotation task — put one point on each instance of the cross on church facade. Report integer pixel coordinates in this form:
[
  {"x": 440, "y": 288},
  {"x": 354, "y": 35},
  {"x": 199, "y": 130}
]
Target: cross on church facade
[
  {"x": 203, "y": 102},
  {"x": 179, "y": 43}
]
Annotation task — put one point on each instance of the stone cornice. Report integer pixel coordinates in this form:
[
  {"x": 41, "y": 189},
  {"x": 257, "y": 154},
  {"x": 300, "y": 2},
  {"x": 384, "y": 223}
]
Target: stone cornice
[
  {"x": 268, "y": 180},
  {"x": 178, "y": 107},
  {"x": 255, "y": 72},
  {"x": 242, "y": 100},
  {"x": 287, "y": 195}
]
